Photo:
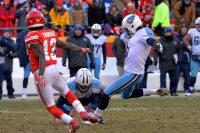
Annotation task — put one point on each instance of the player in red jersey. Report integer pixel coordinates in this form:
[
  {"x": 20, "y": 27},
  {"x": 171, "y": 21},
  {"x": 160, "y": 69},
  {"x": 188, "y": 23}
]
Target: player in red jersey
[{"x": 40, "y": 44}]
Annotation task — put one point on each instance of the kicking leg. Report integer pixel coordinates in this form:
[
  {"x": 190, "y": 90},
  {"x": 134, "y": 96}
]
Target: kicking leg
[{"x": 120, "y": 84}]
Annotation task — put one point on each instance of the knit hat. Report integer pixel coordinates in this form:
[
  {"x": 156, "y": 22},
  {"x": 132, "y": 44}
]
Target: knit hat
[
  {"x": 59, "y": 3},
  {"x": 6, "y": 1},
  {"x": 168, "y": 29}
]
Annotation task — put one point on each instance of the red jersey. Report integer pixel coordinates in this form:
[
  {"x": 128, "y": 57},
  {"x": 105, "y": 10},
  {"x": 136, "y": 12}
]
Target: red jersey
[
  {"x": 46, "y": 38},
  {"x": 147, "y": 18}
]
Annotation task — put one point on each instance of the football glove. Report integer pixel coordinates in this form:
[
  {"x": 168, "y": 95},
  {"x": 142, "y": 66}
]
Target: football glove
[
  {"x": 40, "y": 80},
  {"x": 159, "y": 47}
]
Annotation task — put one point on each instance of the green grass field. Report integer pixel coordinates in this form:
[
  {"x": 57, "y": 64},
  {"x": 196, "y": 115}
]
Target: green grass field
[{"x": 143, "y": 115}]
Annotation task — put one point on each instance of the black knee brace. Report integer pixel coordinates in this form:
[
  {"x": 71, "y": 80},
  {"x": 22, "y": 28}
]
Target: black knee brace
[
  {"x": 137, "y": 93},
  {"x": 103, "y": 104},
  {"x": 25, "y": 82}
]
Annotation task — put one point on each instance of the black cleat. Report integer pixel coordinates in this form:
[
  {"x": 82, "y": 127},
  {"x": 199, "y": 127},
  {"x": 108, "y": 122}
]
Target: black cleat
[{"x": 102, "y": 121}]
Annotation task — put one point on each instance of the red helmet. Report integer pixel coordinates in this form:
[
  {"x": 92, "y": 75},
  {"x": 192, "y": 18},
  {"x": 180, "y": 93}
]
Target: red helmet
[{"x": 34, "y": 19}]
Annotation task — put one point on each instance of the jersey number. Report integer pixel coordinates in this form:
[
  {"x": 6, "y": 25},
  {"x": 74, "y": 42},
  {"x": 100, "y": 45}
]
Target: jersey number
[
  {"x": 97, "y": 48},
  {"x": 196, "y": 40},
  {"x": 49, "y": 49}
]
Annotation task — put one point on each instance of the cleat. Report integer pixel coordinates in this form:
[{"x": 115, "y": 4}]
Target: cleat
[
  {"x": 85, "y": 116},
  {"x": 102, "y": 121},
  {"x": 73, "y": 126},
  {"x": 163, "y": 92},
  {"x": 24, "y": 96},
  {"x": 189, "y": 94}
]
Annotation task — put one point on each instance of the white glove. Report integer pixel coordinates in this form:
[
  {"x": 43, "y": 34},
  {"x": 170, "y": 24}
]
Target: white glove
[{"x": 159, "y": 47}]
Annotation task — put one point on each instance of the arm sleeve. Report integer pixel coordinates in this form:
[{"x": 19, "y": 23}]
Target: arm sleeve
[
  {"x": 65, "y": 53},
  {"x": 114, "y": 47},
  {"x": 91, "y": 55},
  {"x": 151, "y": 41},
  {"x": 104, "y": 52}
]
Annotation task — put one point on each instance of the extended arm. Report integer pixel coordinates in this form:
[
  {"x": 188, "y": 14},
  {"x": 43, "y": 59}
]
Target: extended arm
[
  {"x": 153, "y": 42},
  {"x": 68, "y": 45},
  {"x": 104, "y": 52},
  {"x": 39, "y": 53}
]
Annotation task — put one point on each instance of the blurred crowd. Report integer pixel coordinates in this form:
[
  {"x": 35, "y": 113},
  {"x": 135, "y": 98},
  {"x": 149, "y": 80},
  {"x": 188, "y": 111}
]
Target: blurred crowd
[{"x": 170, "y": 21}]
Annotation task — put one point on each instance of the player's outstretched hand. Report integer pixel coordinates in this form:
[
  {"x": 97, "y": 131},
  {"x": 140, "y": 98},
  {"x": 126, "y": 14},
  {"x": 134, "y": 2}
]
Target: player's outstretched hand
[
  {"x": 84, "y": 50},
  {"x": 159, "y": 47},
  {"x": 40, "y": 80},
  {"x": 85, "y": 116}
]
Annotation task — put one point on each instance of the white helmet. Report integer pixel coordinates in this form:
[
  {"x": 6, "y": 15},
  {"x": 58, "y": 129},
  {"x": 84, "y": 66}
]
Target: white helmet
[
  {"x": 96, "y": 30},
  {"x": 197, "y": 21},
  {"x": 131, "y": 22},
  {"x": 84, "y": 77}
]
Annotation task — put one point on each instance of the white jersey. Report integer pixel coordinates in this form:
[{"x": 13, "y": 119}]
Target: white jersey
[
  {"x": 95, "y": 88},
  {"x": 137, "y": 51},
  {"x": 97, "y": 44},
  {"x": 125, "y": 37},
  {"x": 195, "y": 35}
]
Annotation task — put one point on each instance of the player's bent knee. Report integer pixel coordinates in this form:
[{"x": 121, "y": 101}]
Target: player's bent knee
[
  {"x": 56, "y": 112},
  {"x": 104, "y": 102},
  {"x": 137, "y": 93}
]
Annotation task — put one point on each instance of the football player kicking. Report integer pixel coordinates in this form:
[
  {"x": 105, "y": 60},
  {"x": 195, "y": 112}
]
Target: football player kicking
[
  {"x": 137, "y": 50},
  {"x": 40, "y": 44},
  {"x": 87, "y": 89}
]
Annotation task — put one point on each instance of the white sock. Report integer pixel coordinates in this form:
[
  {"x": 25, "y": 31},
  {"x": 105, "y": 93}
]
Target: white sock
[
  {"x": 147, "y": 92},
  {"x": 24, "y": 90},
  {"x": 98, "y": 112},
  {"x": 66, "y": 118},
  {"x": 191, "y": 88},
  {"x": 78, "y": 106}
]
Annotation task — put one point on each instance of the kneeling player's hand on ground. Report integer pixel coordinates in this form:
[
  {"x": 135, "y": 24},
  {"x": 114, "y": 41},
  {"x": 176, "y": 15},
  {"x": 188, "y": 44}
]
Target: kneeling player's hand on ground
[
  {"x": 89, "y": 117},
  {"x": 88, "y": 109}
]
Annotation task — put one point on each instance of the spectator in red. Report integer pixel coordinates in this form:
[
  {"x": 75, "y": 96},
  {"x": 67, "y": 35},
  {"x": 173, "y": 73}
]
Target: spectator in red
[
  {"x": 144, "y": 3},
  {"x": 7, "y": 15},
  {"x": 148, "y": 15},
  {"x": 130, "y": 9}
]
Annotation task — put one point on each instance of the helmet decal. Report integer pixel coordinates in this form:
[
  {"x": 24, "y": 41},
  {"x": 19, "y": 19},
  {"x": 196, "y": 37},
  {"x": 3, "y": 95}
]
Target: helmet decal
[{"x": 130, "y": 20}]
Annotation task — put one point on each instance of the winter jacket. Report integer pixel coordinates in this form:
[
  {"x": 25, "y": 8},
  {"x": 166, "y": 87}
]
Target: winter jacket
[{"x": 21, "y": 49}]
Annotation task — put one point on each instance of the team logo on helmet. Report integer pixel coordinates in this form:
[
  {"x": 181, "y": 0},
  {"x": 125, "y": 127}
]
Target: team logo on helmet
[{"x": 130, "y": 20}]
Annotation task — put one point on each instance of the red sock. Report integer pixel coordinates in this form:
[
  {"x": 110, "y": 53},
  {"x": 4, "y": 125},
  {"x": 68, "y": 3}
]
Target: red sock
[
  {"x": 56, "y": 112},
  {"x": 71, "y": 97}
]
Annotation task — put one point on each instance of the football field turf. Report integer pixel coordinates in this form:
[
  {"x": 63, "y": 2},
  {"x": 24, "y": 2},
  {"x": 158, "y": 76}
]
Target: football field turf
[{"x": 143, "y": 115}]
